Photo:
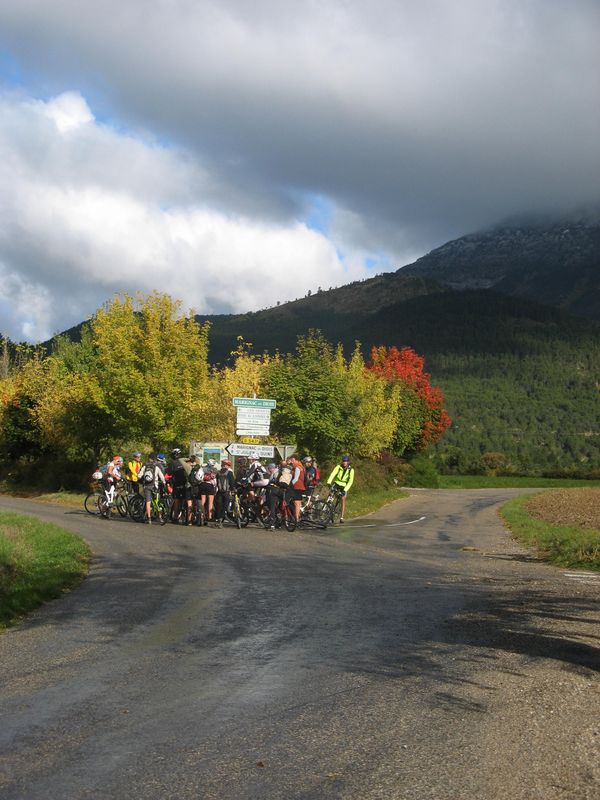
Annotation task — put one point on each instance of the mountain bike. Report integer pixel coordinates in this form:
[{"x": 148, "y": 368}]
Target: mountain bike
[
  {"x": 285, "y": 517},
  {"x": 158, "y": 511},
  {"x": 91, "y": 501},
  {"x": 106, "y": 503},
  {"x": 330, "y": 512},
  {"x": 252, "y": 505},
  {"x": 235, "y": 513},
  {"x": 314, "y": 512}
]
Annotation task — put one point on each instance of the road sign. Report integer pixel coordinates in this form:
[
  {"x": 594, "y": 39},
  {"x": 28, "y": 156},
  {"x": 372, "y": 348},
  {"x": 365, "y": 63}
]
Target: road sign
[
  {"x": 254, "y": 402},
  {"x": 239, "y": 449},
  {"x": 254, "y": 413},
  {"x": 245, "y": 431},
  {"x": 286, "y": 450}
]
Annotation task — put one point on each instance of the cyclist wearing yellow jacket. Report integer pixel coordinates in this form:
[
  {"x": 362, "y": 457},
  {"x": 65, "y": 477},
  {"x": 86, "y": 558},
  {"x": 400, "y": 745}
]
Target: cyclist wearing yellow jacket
[
  {"x": 133, "y": 471},
  {"x": 343, "y": 476}
]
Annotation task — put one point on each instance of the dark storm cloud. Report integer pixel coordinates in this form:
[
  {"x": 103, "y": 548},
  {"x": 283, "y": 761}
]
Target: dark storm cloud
[
  {"x": 420, "y": 114},
  {"x": 417, "y": 121}
]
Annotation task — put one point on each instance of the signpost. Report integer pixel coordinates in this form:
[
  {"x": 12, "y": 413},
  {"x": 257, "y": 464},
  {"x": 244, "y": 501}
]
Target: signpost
[
  {"x": 253, "y": 415},
  {"x": 253, "y": 402},
  {"x": 239, "y": 449}
]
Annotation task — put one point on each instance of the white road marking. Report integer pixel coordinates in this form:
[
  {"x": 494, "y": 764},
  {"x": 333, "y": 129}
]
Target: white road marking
[
  {"x": 383, "y": 525},
  {"x": 583, "y": 577}
]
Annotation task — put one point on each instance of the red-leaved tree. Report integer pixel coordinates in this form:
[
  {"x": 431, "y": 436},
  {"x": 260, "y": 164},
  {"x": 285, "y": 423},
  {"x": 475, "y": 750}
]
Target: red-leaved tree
[{"x": 423, "y": 418}]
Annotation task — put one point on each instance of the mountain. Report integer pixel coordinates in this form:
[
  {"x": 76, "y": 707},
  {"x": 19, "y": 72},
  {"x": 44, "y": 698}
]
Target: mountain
[
  {"x": 520, "y": 378},
  {"x": 554, "y": 262}
]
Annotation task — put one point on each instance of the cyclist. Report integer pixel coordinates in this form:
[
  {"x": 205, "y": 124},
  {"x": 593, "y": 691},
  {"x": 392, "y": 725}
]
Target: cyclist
[
  {"x": 343, "y": 476},
  {"x": 257, "y": 477},
  {"x": 279, "y": 484},
  {"x": 112, "y": 477},
  {"x": 151, "y": 478},
  {"x": 312, "y": 475},
  {"x": 133, "y": 470},
  {"x": 297, "y": 487},
  {"x": 208, "y": 489},
  {"x": 180, "y": 468},
  {"x": 225, "y": 485},
  {"x": 195, "y": 479}
]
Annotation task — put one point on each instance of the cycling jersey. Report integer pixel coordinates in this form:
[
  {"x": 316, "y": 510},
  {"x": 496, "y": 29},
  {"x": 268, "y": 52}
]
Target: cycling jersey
[
  {"x": 133, "y": 470},
  {"x": 343, "y": 476}
]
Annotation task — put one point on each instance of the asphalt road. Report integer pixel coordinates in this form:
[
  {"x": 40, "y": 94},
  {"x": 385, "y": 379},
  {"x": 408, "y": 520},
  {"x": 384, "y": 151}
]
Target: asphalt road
[{"x": 416, "y": 654}]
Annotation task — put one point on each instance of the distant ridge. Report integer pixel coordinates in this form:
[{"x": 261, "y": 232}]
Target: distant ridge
[{"x": 554, "y": 262}]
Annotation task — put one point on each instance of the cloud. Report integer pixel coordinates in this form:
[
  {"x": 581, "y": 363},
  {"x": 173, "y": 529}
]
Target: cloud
[
  {"x": 86, "y": 212},
  {"x": 410, "y": 122}
]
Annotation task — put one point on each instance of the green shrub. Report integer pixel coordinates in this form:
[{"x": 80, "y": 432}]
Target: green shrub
[{"x": 422, "y": 473}]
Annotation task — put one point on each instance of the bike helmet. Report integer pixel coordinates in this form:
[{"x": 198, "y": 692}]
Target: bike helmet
[
  {"x": 137, "y": 454},
  {"x": 345, "y": 459},
  {"x": 175, "y": 452},
  {"x": 211, "y": 462},
  {"x": 307, "y": 460},
  {"x": 225, "y": 463}
]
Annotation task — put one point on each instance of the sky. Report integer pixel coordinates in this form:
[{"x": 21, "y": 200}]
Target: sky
[{"x": 235, "y": 154}]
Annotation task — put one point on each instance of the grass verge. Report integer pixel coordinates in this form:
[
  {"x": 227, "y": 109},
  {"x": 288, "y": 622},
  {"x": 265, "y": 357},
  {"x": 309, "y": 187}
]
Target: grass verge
[
  {"x": 58, "y": 498},
  {"x": 508, "y": 482},
  {"x": 360, "y": 503},
  {"x": 563, "y": 545},
  {"x": 38, "y": 562}
]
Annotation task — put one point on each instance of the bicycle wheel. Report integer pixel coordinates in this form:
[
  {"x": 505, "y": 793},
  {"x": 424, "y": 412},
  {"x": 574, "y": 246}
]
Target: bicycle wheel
[
  {"x": 246, "y": 512},
  {"x": 319, "y": 514},
  {"x": 137, "y": 508},
  {"x": 289, "y": 520},
  {"x": 121, "y": 505},
  {"x": 91, "y": 502},
  {"x": 331, "y": 511},
  {"x": 264, "y": 517},
  {"x": 158, "y": 512},
  {"x": 105, "y": 508},
  {"x": 237, "y": 512}
]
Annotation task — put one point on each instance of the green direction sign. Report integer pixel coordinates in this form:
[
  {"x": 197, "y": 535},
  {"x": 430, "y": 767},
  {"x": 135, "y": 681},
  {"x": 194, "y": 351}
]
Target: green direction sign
[{"x": 253, "y": 402}]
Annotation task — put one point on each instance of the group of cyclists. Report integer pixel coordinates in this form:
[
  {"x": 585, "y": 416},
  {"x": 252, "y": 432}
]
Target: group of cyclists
[{"x": 209, "y": 488}]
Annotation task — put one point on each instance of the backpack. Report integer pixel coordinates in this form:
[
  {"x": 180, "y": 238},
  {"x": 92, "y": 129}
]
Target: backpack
[
  {"x": 284, "y": 477},
  {"x": 178, "y": 475},
  {"x": 193, "y": 478},
  {"x": 149, "y": 475},
  {"x": 312, "y": 476},
  {"x": 223, "y": 481}
]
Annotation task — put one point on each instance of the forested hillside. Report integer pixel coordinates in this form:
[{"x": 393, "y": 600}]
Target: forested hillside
[{"x": 520, "y": 379}]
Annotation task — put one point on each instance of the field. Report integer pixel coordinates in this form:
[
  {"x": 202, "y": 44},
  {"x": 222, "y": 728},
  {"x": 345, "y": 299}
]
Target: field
[{"x": 562, "y": 525}]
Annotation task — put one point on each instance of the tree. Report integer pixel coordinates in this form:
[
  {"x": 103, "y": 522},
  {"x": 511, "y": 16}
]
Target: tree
[
  {"x": 423, "y": 419},
  {"x": 152, "y": 368},
  {"x": 312, "y": 404}
]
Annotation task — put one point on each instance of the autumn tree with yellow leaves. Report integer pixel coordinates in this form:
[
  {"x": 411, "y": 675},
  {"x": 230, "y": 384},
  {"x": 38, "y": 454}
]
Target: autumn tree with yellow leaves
[{"x": 140, "y": 377}]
